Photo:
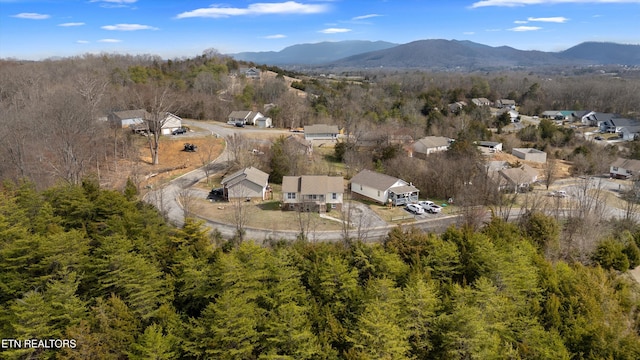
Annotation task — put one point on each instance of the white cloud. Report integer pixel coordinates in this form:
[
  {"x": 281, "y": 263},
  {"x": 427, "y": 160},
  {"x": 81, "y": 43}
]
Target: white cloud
[
  {"x": 276, "y": 36},
  {"x": 71, "y": 24},
  {"x": 288, "y": 7},
  {"x": 525, "y": 28},
  {"x": 512, "y": 3},
  {"x": 128, "y": 27},
  {"x": 334, "y": 30},
  {"x": 556, "y": 19},
  {"x": 82, "y": 42},
  {"x": 520, "y": 22},
  {"x": 31, "y": 16},
  {"x": 469, "y": 33},
  {"x": 109, "y": 40},
  {"x": 362, "y": 17}
]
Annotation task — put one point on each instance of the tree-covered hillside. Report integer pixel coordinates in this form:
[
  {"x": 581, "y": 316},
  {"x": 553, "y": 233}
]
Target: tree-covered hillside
[{"x": 99, "y": 267}]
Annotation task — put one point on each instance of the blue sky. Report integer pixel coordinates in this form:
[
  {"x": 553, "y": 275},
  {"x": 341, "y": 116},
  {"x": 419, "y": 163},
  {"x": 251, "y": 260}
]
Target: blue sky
[{"x": 174, "y": 29}]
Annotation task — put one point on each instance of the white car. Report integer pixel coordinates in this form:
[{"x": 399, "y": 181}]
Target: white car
[
  {"x": 415, "y": 208},
  {"x": 429, "y": 206}
]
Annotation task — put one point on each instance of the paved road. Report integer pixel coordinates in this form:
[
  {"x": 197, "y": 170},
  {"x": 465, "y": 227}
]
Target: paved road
[{"x": 167, "y": 198}]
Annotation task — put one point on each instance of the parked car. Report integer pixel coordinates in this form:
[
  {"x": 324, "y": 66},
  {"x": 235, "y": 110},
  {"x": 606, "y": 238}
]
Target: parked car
[
  {"x": 179, "y": 131},
  {"x": 599, "y": 138},
  {"x": 429, "y": 206},
  {"x": 415, "y": 209}
]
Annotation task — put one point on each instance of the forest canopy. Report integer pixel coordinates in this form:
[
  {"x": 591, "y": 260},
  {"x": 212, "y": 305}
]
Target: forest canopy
[{"x": 97, "y": 266}]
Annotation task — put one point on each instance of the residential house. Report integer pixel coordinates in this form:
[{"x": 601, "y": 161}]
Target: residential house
[
  {"x": 506, "y": 103},
  {"x": 530, "y": 154},
  {"x": 580, "y": 114},
  {"x": 321, "y": 132},
  {"x": 596, "y": 118},
  {"x": 513, "y": 114},
  {"x": 429, "y": 145},
  {"x": 383, "y": 188},
  {"x": 249, "y": 183},
  {"x": 629, "y": 133},
  {"x": 614, "y": 125},
  {"x": 624, "y": 168},
  {"x": 551, "y": 114},
  {"x": 168, "y": 124},
  {"x": 518, "y": 179},
  {"x": 481, "y": 101},
  {"x": 250, "y": 73},
  {"x": 296, "y": 144},
  {"x": 244, "y": 117},
  {"x": 456, "y": 107},
  {"x": 128, "y": 118},
  {"x": 489, "y": 147},
  {"x": 317, "y": 193},
  {"x": 264, "y": 122}
]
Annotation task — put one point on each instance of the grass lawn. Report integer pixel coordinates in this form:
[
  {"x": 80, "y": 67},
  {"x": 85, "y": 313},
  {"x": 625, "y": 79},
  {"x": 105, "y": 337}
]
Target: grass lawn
[
  {"x": 267, "y": 215},
  {"x": 392, "y": 215}
]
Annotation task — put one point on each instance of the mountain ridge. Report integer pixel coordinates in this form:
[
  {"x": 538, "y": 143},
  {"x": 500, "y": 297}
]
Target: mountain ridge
[{"x": 443, "y": 54}]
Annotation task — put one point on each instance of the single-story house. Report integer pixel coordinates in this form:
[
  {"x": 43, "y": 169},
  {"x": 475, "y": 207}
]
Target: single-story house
[
  {"x": 614, "y": 125},
  {"x": 513, "y": 114},
  {"x": 383, "y": 188},
  {"x": 128, "y": 118},
  {"x": 457, "y": 106},
  {"x": 624, "y": 168},
  {"x": 481, "y": 101},
  {"x": 264, "y": 122},
  {"x": 321, "y": 132},
  {"x": 596, "y": 118},
  {"x": 558, "y": 115},
  {"x": 530, "y": 154},
  {"x": 248, "y": 183},
  {"x": 429, "y": 145},
  {"x": 317, "y": 193},
  {"x": 298, "y": 145},
  {"x": 578, "y": 115},
  {"x": 170, "y": 123},
  {"x": 489, "y": 146},
  {"x": 244, "y": 117},
  {"x": 630, "y": 132},
  {"x": 506, "y": 103},
  {"x": 251, "y": 73},
  {"x": 518, "y": 178}
]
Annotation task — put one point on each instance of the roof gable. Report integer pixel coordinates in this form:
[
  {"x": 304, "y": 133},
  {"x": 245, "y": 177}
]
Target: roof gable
[
  {"x": 376, "y": 180},
  {"x": 251, "y": 174},
  {"x": 313, "y": 184},
  {"x": 627, "y": 164}
]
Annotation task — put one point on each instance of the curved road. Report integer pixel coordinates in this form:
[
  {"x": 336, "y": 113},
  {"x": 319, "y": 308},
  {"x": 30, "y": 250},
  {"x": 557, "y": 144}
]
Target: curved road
[{"x": 166, "y": 199}]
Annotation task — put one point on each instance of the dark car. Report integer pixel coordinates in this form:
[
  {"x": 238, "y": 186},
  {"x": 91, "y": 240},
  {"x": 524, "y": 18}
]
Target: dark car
[
  {"x": 599, "y": 138},
  {"x": 239, "y": 124},
  {"x": 179, "y": 131}
]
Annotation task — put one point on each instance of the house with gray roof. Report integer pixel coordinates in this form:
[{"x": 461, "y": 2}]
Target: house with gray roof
[
  {"x": 481, "y": 101},
  {"x": 244, "y": 117},
  {"x": 624, "y": 168},
  {"x": 506, "y": 103},
  {"x": 596, "y": 118},
  {"x": 518, "y": 179},
  {"x": 383, "y": 188},
  {"x": 128, "y": 118},
  {"x": 429, "y": 145},
  {"x": 312, "y": 193},
  {"x": 530, "y": 154},
  {"x": 321, "y": 132},
  {"x": 614, "y": 125},
  {"x": 629, "y": 133},
  {"x": 248, "y": 183}
]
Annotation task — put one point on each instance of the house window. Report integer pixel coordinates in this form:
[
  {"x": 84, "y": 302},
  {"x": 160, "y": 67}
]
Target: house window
[
  {"x": 333, "y": 206},
  {"x": 628, "y": 171},
  {"x": 334, "y": 196},
  {"x": 360, "y": 187},
  {"x": 378, "y": 192},
  {"x": 615, "y": 168},
  {"x": 291, "y": 196}
]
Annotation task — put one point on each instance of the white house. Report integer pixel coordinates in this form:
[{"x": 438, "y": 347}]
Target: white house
[
  {"x": 481, "y": 101},
  {"x": 244, "y": 117},
  {"x": 383, "y": 188},
  {"x": 312, "y": 193},
  {"x": 506, "y": 103},
  {"x": 513, "y": 114},
  {"x": 615, "y": 125},
  {"x": 264, "y": 122},
  {"x": 530, "y": 154},
  {"x": 170, "y": 123},
  {"x": 629, "y": 132},
  {"x": 624, "y": 168},
  {"x": 489, "y": 147},
  {"x": 596, "y": 118},
  {"x": 248, "y": 183},
  {"x": 321, "y": 132},
  {"x": 429, "y": 145}
]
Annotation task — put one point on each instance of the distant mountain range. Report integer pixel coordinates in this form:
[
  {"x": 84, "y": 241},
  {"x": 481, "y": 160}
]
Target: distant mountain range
[{"x": 442, "y": 54}]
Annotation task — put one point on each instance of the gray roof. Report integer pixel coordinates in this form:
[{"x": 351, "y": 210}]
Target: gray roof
[
  {"x": 623, "y": 122},
  {"x": 240, "y": 114},
  {"x": 321, "y": 129},
  {"x": 529, "y": 150},
  {"x": 520, "y": 175},
  {"x": 627, "y": 164},
  {"x": 507, "y": 102},
  {"x": 404, "y": 189},
  {"x": 313, "y": 184},
  {"x": 132, "y": 114},
  {"x": 251, "y": 174},
  {"x": 488, "y": 143},
  {"x": 375, "y": 180},
  {"x": 601, "y": 116},
  {"x": 430, "y": 142}
]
